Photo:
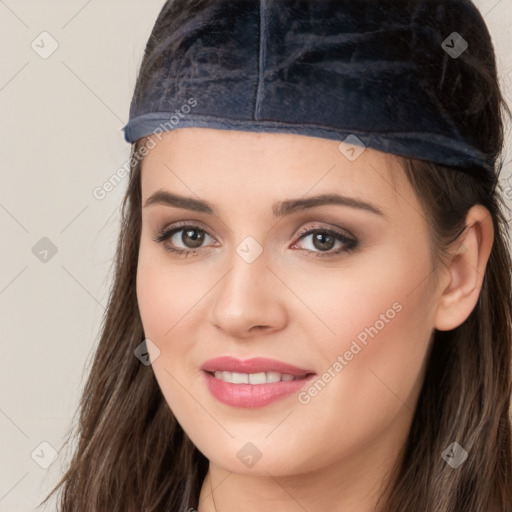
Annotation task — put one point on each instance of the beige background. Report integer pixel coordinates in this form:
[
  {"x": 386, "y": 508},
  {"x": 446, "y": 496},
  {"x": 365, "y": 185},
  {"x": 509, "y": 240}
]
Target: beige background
[{"x": 61, "y": 120}]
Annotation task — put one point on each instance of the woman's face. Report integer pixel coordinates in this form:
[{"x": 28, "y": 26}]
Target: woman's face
[{"x": 340, "y": 289}]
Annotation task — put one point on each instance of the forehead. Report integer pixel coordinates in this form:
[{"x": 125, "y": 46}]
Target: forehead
[{"x": 229, "y": 165}]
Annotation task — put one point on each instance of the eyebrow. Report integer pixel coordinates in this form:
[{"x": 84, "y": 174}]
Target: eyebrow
[{"x": 279, "y": 209}]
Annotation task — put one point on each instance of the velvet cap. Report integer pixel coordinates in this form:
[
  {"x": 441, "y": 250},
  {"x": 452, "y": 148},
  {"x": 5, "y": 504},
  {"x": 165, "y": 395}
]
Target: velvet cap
[{"x": 373, "y": 71}]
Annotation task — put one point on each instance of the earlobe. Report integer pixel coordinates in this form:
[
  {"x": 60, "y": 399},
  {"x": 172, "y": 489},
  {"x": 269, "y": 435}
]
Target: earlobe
[{"x": 465, "y": 270}]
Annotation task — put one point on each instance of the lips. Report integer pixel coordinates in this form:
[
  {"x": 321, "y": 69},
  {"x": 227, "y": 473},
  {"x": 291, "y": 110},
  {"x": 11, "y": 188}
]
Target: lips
[
  {"x": 254, "y": 365},
  {"x": 253, "y": 382}
]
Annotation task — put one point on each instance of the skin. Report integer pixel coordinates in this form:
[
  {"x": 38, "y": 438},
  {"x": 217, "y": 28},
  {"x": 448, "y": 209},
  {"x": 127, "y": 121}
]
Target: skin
[{"x": 334, "y": 452}]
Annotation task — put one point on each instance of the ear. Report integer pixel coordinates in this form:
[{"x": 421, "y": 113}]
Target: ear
[{"x": 462, "y": 282}]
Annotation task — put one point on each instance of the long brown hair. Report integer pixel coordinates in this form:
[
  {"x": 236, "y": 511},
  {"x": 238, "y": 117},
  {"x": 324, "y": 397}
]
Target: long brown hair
[{"x": 131, "y": 454}]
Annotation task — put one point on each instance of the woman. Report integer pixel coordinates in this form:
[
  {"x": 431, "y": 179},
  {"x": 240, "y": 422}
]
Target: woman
[{"x": 312, "y": 300}]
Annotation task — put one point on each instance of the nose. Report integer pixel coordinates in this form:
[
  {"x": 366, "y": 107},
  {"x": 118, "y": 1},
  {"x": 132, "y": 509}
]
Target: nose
[{"x": 249, "y": 300}]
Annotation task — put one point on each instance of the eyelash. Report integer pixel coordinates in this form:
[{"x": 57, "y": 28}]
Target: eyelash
[{"x": 351, "y": 244}]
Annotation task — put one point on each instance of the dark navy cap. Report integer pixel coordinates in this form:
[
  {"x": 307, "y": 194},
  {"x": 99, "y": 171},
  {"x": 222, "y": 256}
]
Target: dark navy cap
[{"x": 379, "y": 72}]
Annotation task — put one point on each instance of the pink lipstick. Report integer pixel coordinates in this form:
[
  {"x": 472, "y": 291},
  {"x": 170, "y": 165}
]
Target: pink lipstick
[{"x": 253, "y": 382}]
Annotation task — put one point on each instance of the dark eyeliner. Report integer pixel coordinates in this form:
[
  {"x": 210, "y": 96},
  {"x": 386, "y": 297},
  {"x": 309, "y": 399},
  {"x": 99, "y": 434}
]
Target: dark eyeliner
[{"x": 350, "y": 244}]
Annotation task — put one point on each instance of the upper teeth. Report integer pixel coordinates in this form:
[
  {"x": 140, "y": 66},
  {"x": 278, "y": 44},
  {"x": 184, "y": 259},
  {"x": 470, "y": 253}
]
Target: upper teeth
[{"x": 253, "y": 378}]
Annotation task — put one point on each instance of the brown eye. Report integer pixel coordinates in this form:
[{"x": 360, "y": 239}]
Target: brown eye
[
  {"x": 326, "y": 242},
  {"x": 183, "y": 240},
  {"x": 192, "y": 237},
  {"x": 323, "y": 241}
]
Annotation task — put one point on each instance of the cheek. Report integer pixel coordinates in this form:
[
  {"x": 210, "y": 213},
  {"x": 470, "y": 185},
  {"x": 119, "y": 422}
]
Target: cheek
[
  {"x": 167, "y": 302},
  {"x": 379, "y": 300},
  {"x": 383, "y": 316},
  {"x": 369, "y": 386},
  {"x": 171, "y": 299},
  {"x": 166, "y": 294},
  {"x": 374, "y": 363}
]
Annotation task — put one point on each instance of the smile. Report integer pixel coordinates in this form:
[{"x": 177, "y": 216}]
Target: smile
[
  {"x": 255, "y": 378},
  {"x": 253, "y": 382}
]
